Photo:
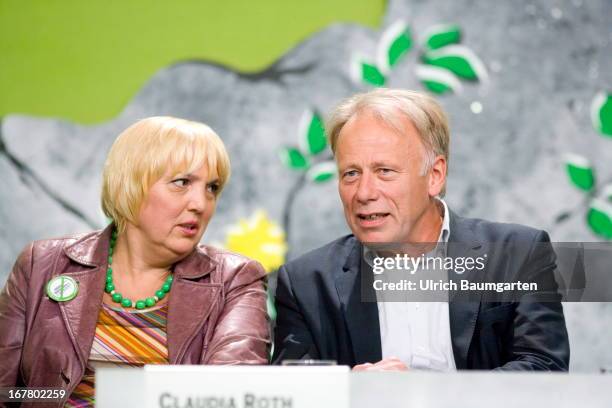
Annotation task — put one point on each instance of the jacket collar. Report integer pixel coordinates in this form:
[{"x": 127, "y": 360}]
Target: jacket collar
[
  {"x": 361, "y": 317},
  {"x": 197, "y": 264},
  {"x": 463, "y": 313},
  {"x": 460, "y": 231},
  {"x": 80, "y": 314},
  {"x": 92, "y": 250},
  {"x": 189, "y": 304}
]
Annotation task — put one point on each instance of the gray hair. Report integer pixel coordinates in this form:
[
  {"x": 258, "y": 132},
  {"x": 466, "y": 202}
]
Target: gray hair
[{"x": 392, "y": 106}]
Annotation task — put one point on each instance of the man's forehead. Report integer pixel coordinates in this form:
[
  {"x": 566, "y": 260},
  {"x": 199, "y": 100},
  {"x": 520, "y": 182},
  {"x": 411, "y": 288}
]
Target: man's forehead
[
  {"x": 368, "y": 120},
  {"x": 374, "y": 135},
  {"x": 374, "y": 156}
]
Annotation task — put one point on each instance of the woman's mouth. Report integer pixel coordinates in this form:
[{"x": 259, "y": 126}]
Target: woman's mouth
[{"x": 189, "y": 228}]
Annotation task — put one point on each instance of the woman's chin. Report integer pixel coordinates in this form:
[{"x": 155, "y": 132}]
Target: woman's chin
[{"x": 184, "y": 247}]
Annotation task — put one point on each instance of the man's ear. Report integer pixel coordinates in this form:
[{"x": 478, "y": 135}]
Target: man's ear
[{"x": 437, "y": 176}]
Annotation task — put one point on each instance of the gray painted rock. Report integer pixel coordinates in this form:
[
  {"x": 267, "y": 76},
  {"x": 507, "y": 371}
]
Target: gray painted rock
[{"x": 546, "y": 60}]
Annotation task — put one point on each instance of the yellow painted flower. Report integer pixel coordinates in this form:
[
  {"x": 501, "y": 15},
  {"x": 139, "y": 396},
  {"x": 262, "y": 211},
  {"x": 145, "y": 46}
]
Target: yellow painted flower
[{"x": 258, "y": 238}]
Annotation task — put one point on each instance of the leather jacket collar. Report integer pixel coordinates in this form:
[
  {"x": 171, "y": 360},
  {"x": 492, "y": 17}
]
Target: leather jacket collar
[{"x": 92, "y": 250}]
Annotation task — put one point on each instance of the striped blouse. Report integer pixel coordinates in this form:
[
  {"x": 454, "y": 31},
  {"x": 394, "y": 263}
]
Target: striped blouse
[{"x": 123, "y": 338}]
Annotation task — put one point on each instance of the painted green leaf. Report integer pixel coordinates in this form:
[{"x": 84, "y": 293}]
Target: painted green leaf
[
  {"x": 394, "y": 44},
  {"x": 365, "y": 72},
  {"x": 458, "y": 59},
  {"x": 580, "y": 172},
  {"x": 601, "y": 113},
  {"x": 436, "y": 87},
  {"x": 599, "y": 218},
  {"x": 399, "y": 47},
  {"x": 312, "y": 133},
  {"x": 293, "y": 158},
  {"x": 439, "y": 36},
  {"x": 322, "y": 172},
  {"x": 437, "y": 80},
  {"x": 372, "y": 75}
]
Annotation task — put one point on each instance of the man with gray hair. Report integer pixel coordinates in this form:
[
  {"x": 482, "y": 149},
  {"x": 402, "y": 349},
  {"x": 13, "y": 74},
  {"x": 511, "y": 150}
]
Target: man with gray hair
[{"x": 391, "y": 147}]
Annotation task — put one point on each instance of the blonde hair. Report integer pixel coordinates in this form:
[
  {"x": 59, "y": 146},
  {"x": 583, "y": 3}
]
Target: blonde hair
[
  {"x": 149, "y": 148},
  {"x": 391, "y": 106}
]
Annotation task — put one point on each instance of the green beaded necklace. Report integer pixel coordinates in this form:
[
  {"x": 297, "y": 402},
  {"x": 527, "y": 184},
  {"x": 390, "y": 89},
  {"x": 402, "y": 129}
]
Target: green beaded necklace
[{"x": 125, "y": 302}]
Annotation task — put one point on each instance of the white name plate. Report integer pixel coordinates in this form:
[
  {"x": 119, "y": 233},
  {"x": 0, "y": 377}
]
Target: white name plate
[{"x": 223, "y": 387}]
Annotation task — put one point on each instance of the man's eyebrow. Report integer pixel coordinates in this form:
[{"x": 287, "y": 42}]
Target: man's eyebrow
[
  {"x": 347, "y": 165},
  {"x": 383, "y": 164}
]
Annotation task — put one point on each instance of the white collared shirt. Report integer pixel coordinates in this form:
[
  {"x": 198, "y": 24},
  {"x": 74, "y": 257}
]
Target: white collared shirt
[{"x": 418, "y": 333}]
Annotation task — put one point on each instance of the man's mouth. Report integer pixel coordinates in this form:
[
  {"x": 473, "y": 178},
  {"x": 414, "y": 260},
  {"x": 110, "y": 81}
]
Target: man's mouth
[{"x": 372, "y": 216}]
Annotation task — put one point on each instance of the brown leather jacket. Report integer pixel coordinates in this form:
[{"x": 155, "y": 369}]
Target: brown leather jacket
[{"x": 216, "y": 312}]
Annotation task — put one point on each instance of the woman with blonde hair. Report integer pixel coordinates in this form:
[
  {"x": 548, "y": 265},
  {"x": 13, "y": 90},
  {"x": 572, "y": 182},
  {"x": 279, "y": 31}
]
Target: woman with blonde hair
[{"x": 141, "y": 291}]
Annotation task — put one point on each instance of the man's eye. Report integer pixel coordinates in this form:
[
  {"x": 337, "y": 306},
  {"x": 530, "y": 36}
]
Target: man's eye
[
  {"x": 385, "y": 171},
  {"x": 349, "y": 173},
  {"x": 180, "y": 182}
]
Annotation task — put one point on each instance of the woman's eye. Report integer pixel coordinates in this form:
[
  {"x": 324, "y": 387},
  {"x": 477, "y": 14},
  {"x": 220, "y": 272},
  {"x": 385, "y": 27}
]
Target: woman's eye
[
  {"x": 213, "y": 188},
  {"x": 180, "y": 182}
]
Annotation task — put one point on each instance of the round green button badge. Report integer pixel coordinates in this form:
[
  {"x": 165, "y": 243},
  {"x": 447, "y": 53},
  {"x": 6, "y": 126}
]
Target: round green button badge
[{"x": 62, "y": 288}]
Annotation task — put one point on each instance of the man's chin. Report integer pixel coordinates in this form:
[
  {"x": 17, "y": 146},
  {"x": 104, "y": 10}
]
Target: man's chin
[{"x": 374, "y": 238}]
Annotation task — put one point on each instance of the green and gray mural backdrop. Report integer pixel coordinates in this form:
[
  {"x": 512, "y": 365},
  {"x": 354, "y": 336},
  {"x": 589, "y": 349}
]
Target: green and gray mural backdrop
[{"x": 527, "y": 85}]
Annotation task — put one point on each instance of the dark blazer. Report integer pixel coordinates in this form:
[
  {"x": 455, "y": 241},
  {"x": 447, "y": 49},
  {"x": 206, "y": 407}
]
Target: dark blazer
[
  {"x": 320, "y": 314},
  {"x": 216, "y": 312}
]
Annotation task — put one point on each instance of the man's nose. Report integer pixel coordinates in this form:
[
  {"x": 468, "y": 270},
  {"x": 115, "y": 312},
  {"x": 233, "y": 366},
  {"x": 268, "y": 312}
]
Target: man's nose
[{"x": 366, "y": 189}]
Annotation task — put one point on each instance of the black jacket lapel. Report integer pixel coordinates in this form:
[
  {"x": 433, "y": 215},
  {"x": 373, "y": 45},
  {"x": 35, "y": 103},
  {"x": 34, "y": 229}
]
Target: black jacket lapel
[
  {"x": 361, "y": 317},
  {"x": 463, "y": 312}
]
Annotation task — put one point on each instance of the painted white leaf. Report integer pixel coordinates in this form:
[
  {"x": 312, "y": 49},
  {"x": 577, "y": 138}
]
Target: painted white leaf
[
  {"x": 580, "y": 171},
  {"x": 441, "y": 35},
  {"x": 322, "y": 172},
  {"x": 438, "y": 80},
  {"x": 366, "y": 72},
  {"x": 311, "y": 133},
  {"x": 460, "y": 60},
  {"x": 293, "y": 158},
  {"x": 601, "y": 113},
  {"x": 599, "y": 218},
  {"x": 606, "y": 192},
  {"x": 394, "y": 44}
]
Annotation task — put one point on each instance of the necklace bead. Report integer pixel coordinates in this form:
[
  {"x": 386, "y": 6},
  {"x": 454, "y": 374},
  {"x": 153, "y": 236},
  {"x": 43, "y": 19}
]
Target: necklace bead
[{"x": 125, "y": 302}]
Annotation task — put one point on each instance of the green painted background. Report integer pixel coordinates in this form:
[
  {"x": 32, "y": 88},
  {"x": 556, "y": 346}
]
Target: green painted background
[{"x": 84, "y": 59}]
